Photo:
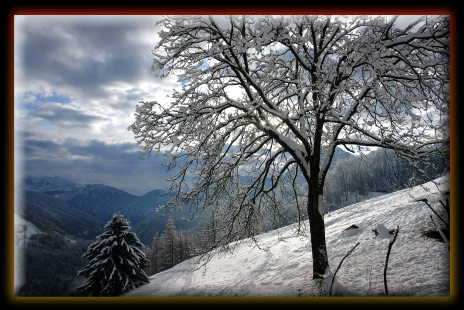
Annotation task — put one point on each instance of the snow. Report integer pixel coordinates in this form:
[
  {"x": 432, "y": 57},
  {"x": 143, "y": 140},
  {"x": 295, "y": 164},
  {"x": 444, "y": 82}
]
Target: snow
[
  {"x": 354, "y": 197},
  {"x": 24, "y": 230},
  {"x": 432, "y": 191},
  {"x": 282, "y": 264}
]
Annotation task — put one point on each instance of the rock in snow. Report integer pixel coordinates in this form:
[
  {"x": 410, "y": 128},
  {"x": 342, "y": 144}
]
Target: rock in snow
[
  {"x": 382, "y": 232},
  {"x": 282, "y": 264}
]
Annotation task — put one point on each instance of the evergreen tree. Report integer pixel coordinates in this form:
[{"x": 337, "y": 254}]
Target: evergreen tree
[
  {"x": 115, "y": 261},
  {"x": 169, "y": 244},
  {"x": 153, "y": 255}
]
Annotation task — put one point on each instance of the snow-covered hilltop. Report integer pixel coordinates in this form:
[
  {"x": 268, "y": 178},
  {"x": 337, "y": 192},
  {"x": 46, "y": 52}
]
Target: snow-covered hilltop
[{"x": 281, "y": 264}]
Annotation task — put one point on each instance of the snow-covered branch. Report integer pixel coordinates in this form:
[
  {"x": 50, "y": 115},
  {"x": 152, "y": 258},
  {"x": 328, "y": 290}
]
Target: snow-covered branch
[{"x": 264, "y": 96}]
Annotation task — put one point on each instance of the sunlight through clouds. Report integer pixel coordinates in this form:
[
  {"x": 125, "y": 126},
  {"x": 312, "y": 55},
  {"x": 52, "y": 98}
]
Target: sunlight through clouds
[{"x": 79, "y": 78}]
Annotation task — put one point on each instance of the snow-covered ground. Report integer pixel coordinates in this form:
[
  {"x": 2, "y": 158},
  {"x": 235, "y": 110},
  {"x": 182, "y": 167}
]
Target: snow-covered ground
[{"x": 282, "y": 264}]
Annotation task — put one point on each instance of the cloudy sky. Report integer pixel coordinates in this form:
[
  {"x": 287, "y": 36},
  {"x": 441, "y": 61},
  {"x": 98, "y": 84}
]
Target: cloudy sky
[{"x": 77, "y": 82}]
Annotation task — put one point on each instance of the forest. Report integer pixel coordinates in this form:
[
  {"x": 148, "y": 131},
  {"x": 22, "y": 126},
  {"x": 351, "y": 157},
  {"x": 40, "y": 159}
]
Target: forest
[
  {"x": 352, "y": 179},
  {"x": 168, "y": 249}
]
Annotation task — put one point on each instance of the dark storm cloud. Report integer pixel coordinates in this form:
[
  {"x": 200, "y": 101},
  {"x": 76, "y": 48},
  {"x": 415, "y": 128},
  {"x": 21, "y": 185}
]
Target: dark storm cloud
[
  {"x": 118, "y": 156},
  {"x": 35, "y": 148},
  {"x": 64, "y": 116},
  {"x": 85, "y": 55},
  {"x": 117, "y": 165}
]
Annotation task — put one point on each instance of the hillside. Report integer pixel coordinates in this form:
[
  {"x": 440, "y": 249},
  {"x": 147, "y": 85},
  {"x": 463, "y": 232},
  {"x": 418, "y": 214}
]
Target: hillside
[
  {"x": 57, "y": 197},
  {"x": 98, "y": 200},
  {"x": 282, "y": 264},
  {"x": 51, "y": 214},
  {"x": 55, "y": 221},
  {"x": 50, "y": 237}
]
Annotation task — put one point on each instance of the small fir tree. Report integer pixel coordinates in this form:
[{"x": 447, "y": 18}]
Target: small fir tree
[{"x": 115, "y": 261}]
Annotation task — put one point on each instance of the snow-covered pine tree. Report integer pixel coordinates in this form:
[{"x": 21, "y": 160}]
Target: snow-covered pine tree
[{"x": 115, "y": 261}]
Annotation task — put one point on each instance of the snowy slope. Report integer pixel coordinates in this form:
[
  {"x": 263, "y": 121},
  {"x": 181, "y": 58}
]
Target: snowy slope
[
  {"x": 282, "y": 265},
  {"x": 24, "y": 230}
]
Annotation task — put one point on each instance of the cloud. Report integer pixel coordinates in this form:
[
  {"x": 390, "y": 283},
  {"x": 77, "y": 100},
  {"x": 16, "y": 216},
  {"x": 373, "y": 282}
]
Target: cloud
[
  {"x": 90, "y": 59},
  {"x": 98, "y": 67},
  {"x": 117, "y": 165},
  {"x": 66, "y": 116},
  {"x": 43, "y": 149},
  {"x": 77, "y": 82},
  {"x": 84, "y": 54}
]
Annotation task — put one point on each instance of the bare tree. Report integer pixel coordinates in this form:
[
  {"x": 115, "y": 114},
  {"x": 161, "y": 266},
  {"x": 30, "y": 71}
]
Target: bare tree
[{"x": 266, "y": 100}]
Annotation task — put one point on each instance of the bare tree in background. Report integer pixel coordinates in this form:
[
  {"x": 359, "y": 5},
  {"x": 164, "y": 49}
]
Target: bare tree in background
[{"x": 266, "y": 100}]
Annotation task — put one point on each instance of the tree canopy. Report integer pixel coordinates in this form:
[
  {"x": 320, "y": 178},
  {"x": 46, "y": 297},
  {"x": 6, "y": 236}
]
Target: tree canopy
[{"x": 266, "y": 100}]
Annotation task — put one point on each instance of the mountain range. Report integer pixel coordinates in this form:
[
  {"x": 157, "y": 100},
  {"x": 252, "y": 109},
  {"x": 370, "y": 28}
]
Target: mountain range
[{"x": 81, "y": 210}]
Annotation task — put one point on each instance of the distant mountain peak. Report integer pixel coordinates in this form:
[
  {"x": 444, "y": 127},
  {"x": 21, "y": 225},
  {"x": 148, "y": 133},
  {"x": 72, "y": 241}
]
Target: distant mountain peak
[{"x": 49, "y": 185}]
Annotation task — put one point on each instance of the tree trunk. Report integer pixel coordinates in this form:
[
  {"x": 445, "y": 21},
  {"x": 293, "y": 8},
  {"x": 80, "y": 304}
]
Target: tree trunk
[{"x": 317, "y": 231}]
